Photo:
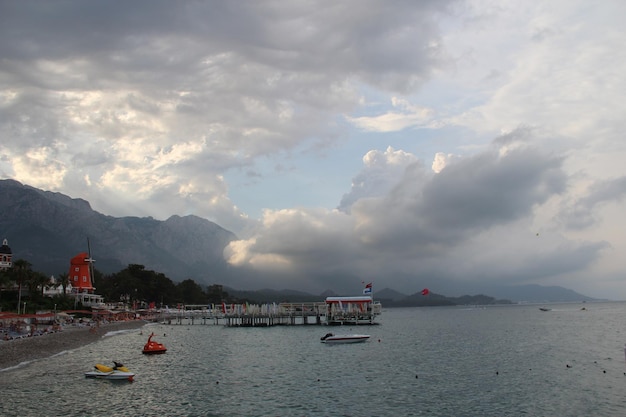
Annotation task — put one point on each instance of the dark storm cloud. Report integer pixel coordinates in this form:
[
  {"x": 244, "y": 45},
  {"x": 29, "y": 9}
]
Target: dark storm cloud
[
  {"x": 471, "y": 195},
  {"x": 468, "y": 223},
  {"x": 369, "y": 38},
  {"x": 489, "y": 189},
  {"x": 230, "y": 67},
  {"x": 582, "y": 212}
]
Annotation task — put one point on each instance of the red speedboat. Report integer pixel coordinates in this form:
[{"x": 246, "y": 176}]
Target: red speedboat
[{"x": 152, "y": 348}]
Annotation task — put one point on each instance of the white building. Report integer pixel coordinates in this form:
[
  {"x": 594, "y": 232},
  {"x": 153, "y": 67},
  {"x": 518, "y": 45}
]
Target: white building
[{"x": 55, "y": 288}]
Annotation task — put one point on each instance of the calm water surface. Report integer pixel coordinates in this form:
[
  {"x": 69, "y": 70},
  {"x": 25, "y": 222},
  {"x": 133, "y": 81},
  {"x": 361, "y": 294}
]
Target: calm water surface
[{"x": 495, "y": 361}]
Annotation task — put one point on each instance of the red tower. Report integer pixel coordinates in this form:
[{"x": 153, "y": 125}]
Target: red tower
[{"x": 80, "y": 273}]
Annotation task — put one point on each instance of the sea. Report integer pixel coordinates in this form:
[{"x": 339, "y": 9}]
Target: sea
[{"x": 510, "y": 360}]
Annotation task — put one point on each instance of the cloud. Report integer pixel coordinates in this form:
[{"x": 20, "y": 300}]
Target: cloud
[
  {"x": 153, "y": 96},
  {"x": 406, "y": 140},
  {"x": 490, "y": 188},
  {"x": 441, "y": 160},
  {"x": 581, "y": 213},
  {"x": 380, "y": 174},
  {"x": 408, "y": 115},
  {"x": 470, "y": 222}
]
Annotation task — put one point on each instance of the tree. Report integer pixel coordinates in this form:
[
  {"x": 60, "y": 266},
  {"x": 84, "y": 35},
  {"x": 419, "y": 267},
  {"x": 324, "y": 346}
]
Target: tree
[
  {"x": 5, "y": 278},
  {"x": 64, "y": 279},
  {"x": 191, "y": 292},
  {"x": 216, "y": 294},
  {"x": 135, "y": 283},
  {"x": 36, "y": 283},
  {"x": 22, "y": 270}
]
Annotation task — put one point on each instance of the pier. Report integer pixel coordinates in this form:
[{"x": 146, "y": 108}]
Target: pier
[{"x": 335, "y": 311}]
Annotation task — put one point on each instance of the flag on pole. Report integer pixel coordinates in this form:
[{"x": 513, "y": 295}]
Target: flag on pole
[{"x": 368, "y": 289}]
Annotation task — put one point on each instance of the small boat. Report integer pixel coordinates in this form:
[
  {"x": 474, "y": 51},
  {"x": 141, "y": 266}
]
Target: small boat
[
  {"x": 153, "y": 348},
  {"x": 117, "y": 372},
  {"x": 344, "y": 338},
  {"x": 545, "y": 309}
]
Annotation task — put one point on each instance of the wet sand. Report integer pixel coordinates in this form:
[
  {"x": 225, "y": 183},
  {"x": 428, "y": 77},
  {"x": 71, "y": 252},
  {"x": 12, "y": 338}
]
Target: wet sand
[{"x": 14, "y": 352}]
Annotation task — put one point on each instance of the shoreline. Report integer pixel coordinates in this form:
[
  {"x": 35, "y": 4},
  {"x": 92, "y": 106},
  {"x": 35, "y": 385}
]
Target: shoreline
[{"x": 28, "y": 349}]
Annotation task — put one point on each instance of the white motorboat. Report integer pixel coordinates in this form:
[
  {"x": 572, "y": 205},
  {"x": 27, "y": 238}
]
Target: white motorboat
[
  {"x": 344, "y": 338},
  {"x": 118, "y": 372}
]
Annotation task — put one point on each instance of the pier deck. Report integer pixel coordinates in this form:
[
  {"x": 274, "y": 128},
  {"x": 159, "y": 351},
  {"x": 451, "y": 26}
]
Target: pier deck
[{"x": 265, "y": 315}]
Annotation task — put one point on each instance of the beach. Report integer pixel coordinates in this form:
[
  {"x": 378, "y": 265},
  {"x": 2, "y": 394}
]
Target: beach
[{"x": 14, "y": 352}]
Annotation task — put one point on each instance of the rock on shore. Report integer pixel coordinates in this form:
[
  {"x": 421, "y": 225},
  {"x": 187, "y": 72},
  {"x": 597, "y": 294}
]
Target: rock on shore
[{"x": 14, "y": 352}]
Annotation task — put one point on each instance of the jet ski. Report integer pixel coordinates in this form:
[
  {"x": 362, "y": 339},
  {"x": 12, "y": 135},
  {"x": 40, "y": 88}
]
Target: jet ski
[{"x": 117, "y": 372}]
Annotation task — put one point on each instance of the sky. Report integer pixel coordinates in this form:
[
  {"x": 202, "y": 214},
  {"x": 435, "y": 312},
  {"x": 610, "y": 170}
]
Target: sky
[{"x": 404, "y": 143}]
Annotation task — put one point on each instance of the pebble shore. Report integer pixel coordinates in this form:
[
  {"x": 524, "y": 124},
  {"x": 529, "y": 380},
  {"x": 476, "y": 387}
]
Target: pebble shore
[{"x": 14, "y": 352}]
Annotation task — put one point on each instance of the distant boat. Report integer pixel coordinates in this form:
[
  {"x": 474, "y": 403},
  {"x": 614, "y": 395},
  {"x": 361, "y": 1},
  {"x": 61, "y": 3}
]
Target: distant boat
[
  {"x": 344, "y": 338},
  {"x": 545, "y": 309}
]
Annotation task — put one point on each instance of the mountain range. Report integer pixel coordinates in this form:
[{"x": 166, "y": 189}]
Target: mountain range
[{"x": 47, "y": 229}]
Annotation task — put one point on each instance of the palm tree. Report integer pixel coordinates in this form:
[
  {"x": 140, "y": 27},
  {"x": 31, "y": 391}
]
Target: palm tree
[
  {"x": 64, "y": 279},
  {"x": 21, "y": 272},
  {"x": 4, "y": 278},
  {"x": 37, "y": 282}
]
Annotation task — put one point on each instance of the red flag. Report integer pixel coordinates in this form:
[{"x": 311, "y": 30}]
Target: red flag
[{"x": 425, "y": 291}]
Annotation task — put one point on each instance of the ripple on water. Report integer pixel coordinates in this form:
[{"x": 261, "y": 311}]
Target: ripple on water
[{"x": 420, "y": 361}]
